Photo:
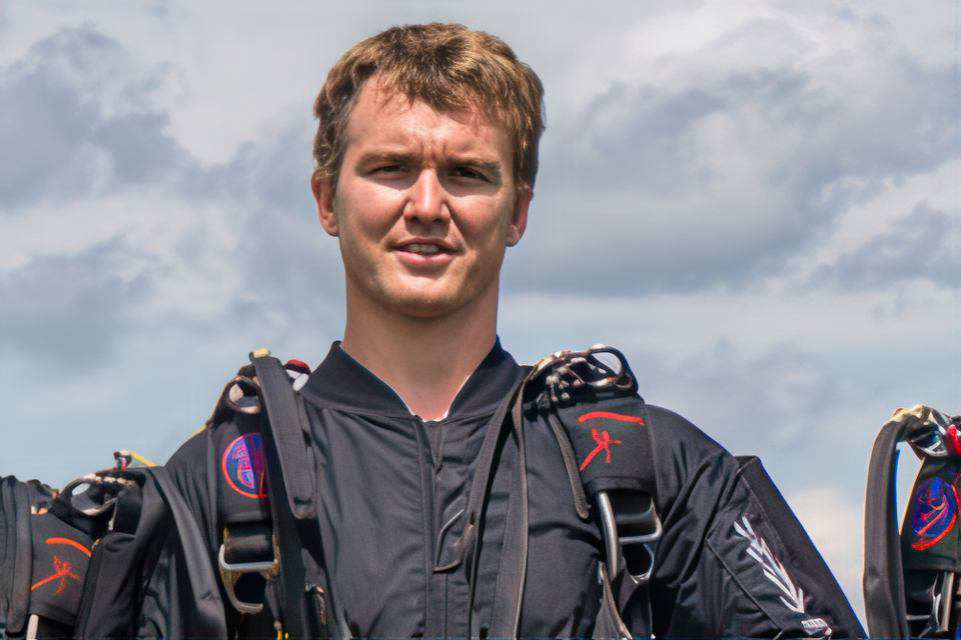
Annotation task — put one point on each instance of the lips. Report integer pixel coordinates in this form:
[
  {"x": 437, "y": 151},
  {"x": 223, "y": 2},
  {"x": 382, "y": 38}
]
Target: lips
[{"x": 421, "y": 253}]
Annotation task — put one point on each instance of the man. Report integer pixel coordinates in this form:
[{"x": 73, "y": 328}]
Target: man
[{"x": 426, "y": 157}]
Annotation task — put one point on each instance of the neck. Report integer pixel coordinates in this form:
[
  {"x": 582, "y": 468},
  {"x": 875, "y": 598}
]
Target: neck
[{"x": 424, "y": 360}]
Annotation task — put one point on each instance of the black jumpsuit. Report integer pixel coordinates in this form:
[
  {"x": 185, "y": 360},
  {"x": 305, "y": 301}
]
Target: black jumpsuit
[{"x": 733, "y": 562}]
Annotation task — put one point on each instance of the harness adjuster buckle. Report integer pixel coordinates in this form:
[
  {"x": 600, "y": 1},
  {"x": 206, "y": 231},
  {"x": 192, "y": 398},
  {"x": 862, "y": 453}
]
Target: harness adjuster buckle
[
  {"x": 645, "y": 529},
  {"x": 231, "y": 572}
]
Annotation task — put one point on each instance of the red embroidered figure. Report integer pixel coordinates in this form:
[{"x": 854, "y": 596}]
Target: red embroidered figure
[
  {"x": 604, "y": 443},
  {"x": 62, "y": 572}
]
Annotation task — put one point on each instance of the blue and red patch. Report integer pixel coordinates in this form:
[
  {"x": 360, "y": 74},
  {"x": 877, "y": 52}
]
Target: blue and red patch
[
  {"x": 243, "y": 466},
  {"x": 935, "y": 512}
]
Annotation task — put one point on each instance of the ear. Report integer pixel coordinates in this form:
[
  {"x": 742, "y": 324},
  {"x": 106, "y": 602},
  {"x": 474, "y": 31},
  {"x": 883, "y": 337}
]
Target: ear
[
  {"x": 518, "y": 223},
  {"x": 324, "y": 196}
]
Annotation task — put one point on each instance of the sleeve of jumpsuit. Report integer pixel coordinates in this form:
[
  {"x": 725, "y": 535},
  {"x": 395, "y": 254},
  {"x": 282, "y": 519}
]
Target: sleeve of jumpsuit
[{"x": 733, "y": 561}]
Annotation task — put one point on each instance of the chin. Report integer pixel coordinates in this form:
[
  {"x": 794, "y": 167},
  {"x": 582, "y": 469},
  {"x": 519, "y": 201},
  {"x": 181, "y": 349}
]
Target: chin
[{"x": 426, "y": 308}]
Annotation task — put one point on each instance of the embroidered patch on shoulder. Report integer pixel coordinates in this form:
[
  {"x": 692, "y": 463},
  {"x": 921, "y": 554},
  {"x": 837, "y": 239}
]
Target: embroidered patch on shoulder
[
  {"x": 243, "y": 466},
  {"x": 935, "y": 512},
  {"x": 791, "y": 596}
]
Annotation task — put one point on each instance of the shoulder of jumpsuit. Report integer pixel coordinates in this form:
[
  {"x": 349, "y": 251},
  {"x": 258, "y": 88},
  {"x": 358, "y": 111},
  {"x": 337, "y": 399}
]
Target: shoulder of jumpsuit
[
  {"x": 683, "y": 455},
  {"x": 342, "y": 383}
]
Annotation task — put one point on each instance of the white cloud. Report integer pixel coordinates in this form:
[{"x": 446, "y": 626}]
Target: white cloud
[{"x": 835, "y": 524}]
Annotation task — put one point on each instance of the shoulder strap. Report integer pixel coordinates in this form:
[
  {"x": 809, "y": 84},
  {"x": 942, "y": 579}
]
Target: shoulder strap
[
  {"x": 16, "y": 560},
  {"x": 290, "y": 482},
  {"x": 602, "y": 427},
  {"x": 287, "y": 434},
  {"x": 883, "y": 581}
]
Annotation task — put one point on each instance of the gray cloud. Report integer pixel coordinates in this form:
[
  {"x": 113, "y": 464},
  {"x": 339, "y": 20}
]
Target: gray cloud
[
  {"x": 787, "y": 405},
  {"x": 748, "y": 403},
  {"x": 719, "y": 176},
  {"x": 79, "y": 119},
  {"x": 923, "y": 245},
  {"x": 70, "y": 310},
  {"x": 283, "y": 251}
]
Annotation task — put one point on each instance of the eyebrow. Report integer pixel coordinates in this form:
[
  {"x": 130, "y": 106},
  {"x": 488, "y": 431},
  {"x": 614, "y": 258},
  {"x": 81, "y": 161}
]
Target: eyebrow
[{"x": 384, "y": 156}]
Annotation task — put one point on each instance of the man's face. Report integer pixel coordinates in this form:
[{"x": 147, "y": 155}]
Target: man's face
[{"x": 424, "y": 208}]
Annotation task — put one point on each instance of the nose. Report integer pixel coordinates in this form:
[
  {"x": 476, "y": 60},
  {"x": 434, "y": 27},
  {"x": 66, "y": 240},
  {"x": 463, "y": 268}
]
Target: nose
[{"x": 426, "y": 200}]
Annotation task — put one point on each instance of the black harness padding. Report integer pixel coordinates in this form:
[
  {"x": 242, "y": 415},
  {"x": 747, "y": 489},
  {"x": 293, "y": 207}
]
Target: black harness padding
[
  {"x": 60, "y": 558},
  {"x": 243, "y": 509},
  {"x": 883, "y": 581},
  {"x": 43, "y": 561},
  {"x": 611, "y": 443}
]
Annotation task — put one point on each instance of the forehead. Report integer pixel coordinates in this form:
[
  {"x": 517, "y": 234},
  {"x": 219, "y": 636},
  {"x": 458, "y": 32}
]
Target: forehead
[{"x": 383, "y": 117}]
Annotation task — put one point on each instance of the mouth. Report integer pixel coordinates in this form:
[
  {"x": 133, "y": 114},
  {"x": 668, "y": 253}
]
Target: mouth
[{"x": 424, "y": 248}]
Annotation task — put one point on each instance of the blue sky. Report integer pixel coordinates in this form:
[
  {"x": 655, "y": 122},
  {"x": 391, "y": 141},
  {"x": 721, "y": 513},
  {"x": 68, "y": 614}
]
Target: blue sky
[{"x": 759, "y": 202}]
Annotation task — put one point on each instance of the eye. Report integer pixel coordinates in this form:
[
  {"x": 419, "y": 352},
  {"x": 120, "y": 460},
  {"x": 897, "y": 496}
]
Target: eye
[
  {"x": 469, "y": 173},
  {"x": 387, "y": 169}
]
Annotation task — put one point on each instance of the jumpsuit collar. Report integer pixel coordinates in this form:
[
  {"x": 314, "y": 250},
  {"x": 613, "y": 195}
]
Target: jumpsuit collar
[{"x": 342, "y": 382}]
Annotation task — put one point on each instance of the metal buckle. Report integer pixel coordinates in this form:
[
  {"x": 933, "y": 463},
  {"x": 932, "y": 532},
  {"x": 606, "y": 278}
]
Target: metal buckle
[
  {"x": 231, "y": 572},
  {"x": 93, "y": 506},
  {"x": 928, "y": 439},
  {"x": 614, "y": 543},
  {"x": 571, "y": 374},
  {"x": 243, "y": 395}
]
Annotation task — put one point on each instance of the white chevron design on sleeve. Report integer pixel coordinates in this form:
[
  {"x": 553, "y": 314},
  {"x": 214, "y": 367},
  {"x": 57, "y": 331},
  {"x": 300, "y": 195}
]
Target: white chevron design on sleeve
[{"x": 793, "y": 597}]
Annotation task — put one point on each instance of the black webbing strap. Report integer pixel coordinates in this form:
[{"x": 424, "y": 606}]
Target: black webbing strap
[
  {"x": 287, "y": 435},
  {"x": 883, "y": 580},
  {"x": 290, "y": 485},
  {"x": 512, "y": 572},
  {"x": 16, "y": 561}
]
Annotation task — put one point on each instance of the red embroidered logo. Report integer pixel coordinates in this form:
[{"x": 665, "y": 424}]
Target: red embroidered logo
[
  {"x": 604, "y": 440},
  {"x": 62, "y": 568},
  {"x": 612, "y": 416},
  {"x": 604, "y": 443}
]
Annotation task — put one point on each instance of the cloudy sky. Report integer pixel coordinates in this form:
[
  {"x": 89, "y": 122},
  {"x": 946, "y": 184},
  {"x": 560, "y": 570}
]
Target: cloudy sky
[{"x": 757, "y": 201}]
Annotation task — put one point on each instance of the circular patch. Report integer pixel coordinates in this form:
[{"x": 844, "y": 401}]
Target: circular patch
[
  {"x": 243, "y": 466},
  {"x": 935, "y": 512}
]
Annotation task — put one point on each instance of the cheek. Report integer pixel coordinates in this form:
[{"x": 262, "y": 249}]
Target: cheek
[
  {"x": 365, "y": 215},
  {"x": 486, "y": 218}
]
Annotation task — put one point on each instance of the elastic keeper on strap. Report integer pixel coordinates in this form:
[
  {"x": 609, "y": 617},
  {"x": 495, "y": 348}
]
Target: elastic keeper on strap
[{"x": 251, "y": 543}]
